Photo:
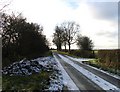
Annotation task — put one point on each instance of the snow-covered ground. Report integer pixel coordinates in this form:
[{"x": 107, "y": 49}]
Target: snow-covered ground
[
  {"x": 66, "y": 78},
  {"x": 28, "y": 67},
  {"x": 85, "y": 59},
  {"x": 79, "y": 59},
  {"x": 59, "y": 77},
  {"x": 96, "y": 79}
]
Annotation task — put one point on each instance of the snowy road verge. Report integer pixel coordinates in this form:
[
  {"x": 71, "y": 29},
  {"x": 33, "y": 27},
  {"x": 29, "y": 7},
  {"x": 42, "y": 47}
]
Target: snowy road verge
[
  {"x": 83, "y": 59},
  {"x": 79, "y": 59},
  {"x": 99, "y": 81},
  {"x": 66, "y": 78},
  {"x": 36, "y": 66}
]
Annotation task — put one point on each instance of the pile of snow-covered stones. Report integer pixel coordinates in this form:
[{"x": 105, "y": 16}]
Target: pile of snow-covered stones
[{"x": 28, "y": 67}]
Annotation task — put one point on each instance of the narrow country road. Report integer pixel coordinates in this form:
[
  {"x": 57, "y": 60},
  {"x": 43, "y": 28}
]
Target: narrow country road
[
  {"x": 105, "y": 76},
  {"x": 82, "y": 82}
]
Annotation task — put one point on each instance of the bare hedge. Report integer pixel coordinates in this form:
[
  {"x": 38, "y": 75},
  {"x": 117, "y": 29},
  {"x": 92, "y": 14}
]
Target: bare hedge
[{"x": 110, "y": 58}]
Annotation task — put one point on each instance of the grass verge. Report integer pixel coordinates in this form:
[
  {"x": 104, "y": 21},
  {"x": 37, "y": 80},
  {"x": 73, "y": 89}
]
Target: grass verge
[
  {"x": 102, "y": 66},
  {"x": 26, "y": 83}
]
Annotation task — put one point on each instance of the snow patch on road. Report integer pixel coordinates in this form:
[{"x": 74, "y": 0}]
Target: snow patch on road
[
  {"x": 96, "y": 79},
  {"x": 85, "y": 59},
  {"x": 66, "y": 78}
]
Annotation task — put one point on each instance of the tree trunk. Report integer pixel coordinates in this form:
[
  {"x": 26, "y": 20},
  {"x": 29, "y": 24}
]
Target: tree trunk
[
  {"x": 69, "y": 41},
  {"x": 69, "y": 46},
  {"x": 59, "y": 47},
  {"x": 65, "y": 46}
]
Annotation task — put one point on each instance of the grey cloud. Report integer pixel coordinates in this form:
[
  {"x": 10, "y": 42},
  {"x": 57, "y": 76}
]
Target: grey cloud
[
  {"x": 103, "y": 0},
  {"x": 108, "y": 34},
  {"x": 105, "y": 10}
]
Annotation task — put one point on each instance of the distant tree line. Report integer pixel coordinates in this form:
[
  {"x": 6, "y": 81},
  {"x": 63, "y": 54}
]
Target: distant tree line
[
  {"x": 67, "y": 34},
  {"x": 20, "y": 38}
]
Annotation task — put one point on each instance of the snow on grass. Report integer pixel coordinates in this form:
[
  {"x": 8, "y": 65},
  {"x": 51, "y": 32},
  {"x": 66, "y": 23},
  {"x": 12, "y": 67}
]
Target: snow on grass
[
  {"x": 28, "y": 67},
  {"x": 79, "y": 59},
  {"x": 96, "y": 79},
  {"x": 66, "y": 78},
  {"x": 110, "y": 74},
  {"x": 56, "y": 79},
  {"x": 85, "y": 59}
]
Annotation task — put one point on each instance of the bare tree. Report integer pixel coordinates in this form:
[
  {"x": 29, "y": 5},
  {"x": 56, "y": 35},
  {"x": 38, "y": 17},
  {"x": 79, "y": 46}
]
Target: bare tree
[
  {"x": 71, "y": 29},
  {"x": 4, "y": 4}
]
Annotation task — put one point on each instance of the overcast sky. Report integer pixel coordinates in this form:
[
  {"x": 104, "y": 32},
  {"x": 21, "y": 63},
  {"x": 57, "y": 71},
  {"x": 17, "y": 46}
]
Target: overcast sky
[{"x": 97, "y": 20}]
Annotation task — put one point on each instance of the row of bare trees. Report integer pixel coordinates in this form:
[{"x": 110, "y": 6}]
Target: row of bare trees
[{"x": 68, "y": 33}]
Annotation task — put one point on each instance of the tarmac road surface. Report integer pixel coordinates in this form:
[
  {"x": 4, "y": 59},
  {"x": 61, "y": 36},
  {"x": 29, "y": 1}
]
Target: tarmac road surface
[
  {"x": 82, "y": 82},
  {"x": 104, "y": 76}
]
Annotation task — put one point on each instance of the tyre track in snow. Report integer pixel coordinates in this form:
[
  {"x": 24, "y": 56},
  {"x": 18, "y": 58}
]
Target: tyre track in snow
[
  {"x": 104, "y": 76},
  {"x": 82, "y": 82},
  {"x": 105, "y": 85}
]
